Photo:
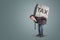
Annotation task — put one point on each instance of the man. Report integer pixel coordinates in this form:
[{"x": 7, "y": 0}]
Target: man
[
  {"x": 40, "y": 17},
  {"x": 41, "y": 21}
]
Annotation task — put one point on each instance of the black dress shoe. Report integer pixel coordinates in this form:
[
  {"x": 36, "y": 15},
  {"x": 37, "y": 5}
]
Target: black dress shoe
[
  {"x": 41, "y": 35},
  {"x": 38, "y": 35}
]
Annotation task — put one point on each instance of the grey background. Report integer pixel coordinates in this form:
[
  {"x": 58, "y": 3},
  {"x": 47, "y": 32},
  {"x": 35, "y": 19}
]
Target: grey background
[{"x": 15, "y": 23}]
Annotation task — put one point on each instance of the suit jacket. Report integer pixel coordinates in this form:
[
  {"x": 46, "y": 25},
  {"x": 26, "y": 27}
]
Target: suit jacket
[{"x": 41, "y": 20}]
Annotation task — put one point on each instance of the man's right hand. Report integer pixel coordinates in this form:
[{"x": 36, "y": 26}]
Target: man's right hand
[{"x": 33, "y": 18}]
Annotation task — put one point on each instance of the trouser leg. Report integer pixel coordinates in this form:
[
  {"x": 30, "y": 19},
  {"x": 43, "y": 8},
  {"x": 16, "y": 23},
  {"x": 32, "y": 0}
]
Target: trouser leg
[{"x": 40, "y": 29}]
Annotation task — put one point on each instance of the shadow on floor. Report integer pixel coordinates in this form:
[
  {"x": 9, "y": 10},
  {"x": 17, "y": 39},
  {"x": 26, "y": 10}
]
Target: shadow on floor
[{"x": 40, "y": 35}]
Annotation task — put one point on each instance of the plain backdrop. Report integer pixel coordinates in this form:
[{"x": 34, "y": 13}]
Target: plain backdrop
[{"x": 15, "y": 23}]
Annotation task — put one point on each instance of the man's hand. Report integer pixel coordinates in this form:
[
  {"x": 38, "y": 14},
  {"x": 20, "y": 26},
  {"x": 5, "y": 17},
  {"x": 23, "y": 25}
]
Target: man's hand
[{"x": 33, "y": 18}]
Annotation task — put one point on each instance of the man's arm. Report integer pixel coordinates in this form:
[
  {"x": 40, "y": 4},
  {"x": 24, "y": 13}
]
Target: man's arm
[{"x": 32, "y": 17}]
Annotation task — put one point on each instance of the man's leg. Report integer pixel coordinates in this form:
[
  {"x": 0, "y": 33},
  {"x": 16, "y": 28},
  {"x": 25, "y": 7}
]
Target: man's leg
[{"x": 40, "y": 29}]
